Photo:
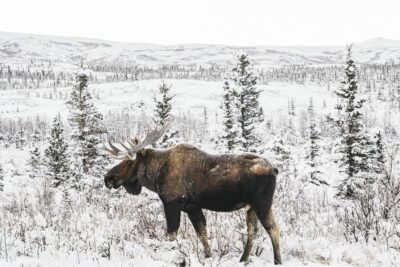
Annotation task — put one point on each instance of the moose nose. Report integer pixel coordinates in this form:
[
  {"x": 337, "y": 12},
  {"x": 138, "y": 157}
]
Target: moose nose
[{"x": 108, "y": 181}]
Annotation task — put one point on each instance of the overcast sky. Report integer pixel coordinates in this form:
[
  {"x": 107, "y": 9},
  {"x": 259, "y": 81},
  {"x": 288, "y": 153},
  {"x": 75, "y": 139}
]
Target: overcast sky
[{"x": 247, "y": 22}]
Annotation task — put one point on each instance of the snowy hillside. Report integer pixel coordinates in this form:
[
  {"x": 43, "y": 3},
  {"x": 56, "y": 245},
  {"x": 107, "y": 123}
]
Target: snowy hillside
[{"x": 64, "y": 52}]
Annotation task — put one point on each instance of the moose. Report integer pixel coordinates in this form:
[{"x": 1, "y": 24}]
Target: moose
[{"x": 189, "y": 180}]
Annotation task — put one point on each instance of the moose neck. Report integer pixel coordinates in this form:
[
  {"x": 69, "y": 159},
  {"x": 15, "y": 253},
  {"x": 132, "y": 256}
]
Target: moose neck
[{"x": 151, "y": 166}]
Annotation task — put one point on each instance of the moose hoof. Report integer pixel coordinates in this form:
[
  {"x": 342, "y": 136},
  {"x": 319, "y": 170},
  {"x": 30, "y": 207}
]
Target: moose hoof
[
  {"x": 244, "y": 259},
  {"x": 207, "y": 253},
  {"x": 171, "y": 236}
]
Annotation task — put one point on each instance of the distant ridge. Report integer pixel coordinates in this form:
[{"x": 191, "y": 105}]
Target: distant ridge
[
  {"x": 381, "y": 42},
  {"x": 19, "y": 49}
]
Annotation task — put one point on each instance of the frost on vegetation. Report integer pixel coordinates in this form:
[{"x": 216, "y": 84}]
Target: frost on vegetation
[{"x": 49, "y": 225}]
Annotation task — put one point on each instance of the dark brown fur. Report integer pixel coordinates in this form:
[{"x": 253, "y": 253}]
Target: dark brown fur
[{"x": 188, "y": 179}]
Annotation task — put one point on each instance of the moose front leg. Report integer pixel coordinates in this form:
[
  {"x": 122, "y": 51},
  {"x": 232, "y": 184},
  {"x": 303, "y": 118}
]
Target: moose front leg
[
  {"x": 172, "y": 211},
  {"x": 198, "y": 220}
]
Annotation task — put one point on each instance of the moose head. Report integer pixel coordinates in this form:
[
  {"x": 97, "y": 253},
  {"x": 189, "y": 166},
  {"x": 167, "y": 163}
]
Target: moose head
[{"x": 127, "y": 173}]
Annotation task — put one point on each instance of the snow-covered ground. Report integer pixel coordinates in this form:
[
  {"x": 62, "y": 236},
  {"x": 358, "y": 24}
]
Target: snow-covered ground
[
  {"x": 313, "y": 241},
  {"x": 112, "y": 228},
  {"x": 190, "y": 95}
]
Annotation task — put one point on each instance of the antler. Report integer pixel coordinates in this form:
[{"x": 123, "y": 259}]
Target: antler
[
  {"x": 134, "y": 144},
  {"x": 114, "y": 151},
  {"x": 151, "y": 137}
]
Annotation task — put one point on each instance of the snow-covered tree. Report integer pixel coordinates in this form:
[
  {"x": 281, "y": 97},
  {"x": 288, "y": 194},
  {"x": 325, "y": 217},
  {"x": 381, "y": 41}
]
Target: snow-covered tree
[
  {"x": 35, "y": 158},
  {"x": 86, "y": 125},
  {"x": 57, "y": 164},
  {"x": 19, "y": 138},
  {"x": 250, "y": 113},
  {"x": 283, "y": 159},
  {"x": 282, "y": 156},
  {"x": 205, "y": 124},
  {"x": 1, "y": 177},
  {"x": 291, "y": 107},
  {"x": 231, "y": 132},
  {"x": 313, "y": 151},
  {"x": 379, "y": 149},
  {"x": 354, "y": 143},
  {"x": 163, "y": 101}
]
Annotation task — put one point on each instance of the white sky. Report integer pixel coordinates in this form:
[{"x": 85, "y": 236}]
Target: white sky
[{"x": 246, "y": 22}]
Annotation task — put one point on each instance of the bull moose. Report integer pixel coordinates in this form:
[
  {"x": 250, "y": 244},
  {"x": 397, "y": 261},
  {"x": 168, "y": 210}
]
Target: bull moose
[{"x": 189, "y": 180}]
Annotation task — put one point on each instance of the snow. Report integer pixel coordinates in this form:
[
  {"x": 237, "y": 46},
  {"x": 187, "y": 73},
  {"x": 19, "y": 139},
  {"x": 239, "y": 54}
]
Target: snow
[
  {"x": 191, "y": 95},
  {"x": 66, "y": 53},
  {"x": 135, "y": 225}
]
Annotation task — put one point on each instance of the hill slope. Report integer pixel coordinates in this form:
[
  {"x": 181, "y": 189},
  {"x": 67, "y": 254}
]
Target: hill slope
[{"x": 19, "y": 49}]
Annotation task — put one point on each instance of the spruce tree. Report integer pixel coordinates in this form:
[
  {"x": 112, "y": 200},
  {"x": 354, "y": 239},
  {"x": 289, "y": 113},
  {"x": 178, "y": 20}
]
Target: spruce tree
[
  {"x": 313, "y": 151},
  {"x": 353, "y": 142},
  {"x": 1, "y": 177},
  {"x": 377, "y": 156},
  {"x": 282, "y": 156},
  {"x": 283, "y": 159},
  {"x": 163, "y": 101},
  {"x": 35, "y": 159},
  {"x": 86, "y": 125},
  {"x": 230, "y": 125},
  {"x": 20, "y": 138},
  {"x": 56, "y": 161},
  {"x": 380, "y": 151},
  {"x": 205, "y": 124},
  {"x": 249, "y": 111},
  {"x": 291, "y": 107}
]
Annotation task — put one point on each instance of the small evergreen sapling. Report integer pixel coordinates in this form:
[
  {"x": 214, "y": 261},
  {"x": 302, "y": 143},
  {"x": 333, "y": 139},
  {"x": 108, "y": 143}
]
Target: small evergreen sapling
[
  {"x": 35, "y": 159},
  {"x": 163, "y": 101},
  {"x": 1, "y": 177},
  {"x": 313, "y": 151},
  {"x": 57, "y": 162},
  {"x": 230, "y": 125}
]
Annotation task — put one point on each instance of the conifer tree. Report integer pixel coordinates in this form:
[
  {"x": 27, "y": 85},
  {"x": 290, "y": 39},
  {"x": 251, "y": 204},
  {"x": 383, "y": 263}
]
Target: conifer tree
[
  {"x": 249, "y": 111},
  {"x": 1, "y": 177},
  {"x": 20, "y": 138},
  {"x": 86, "y": 125},
  {"x": 282, "y": 156},
  {"x": 313, "y": 151},
  {"x": 163, "y": 114},
  {"x": 354, "y": 143},
  {"x": 377, "y": 156},
  {"x": 283, "y": 159},
  {"x": 230, "y": 125},
  {"x": 57, "y": 163},
  {"x": 204, "y": 126},
  {"x": 35, "y": 159},
  {"x": 380, "y": 151},
  {"x": 291, "y": 107}
]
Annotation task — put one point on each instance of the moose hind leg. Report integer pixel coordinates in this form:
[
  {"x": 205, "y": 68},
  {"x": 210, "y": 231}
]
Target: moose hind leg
[
  {"x": 251, "y": 221},
  {"x": 268, "y": 222},
  {"x": 173, "y": 216},
  {"x": 199, "y": 223},
  {"x": 274, "y": 233}
]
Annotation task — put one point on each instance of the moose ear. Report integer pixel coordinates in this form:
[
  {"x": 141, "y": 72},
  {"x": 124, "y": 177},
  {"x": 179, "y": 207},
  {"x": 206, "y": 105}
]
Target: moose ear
[
  {"x": 133, "y": 188},
  {"x": 142, "y": 152}
]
